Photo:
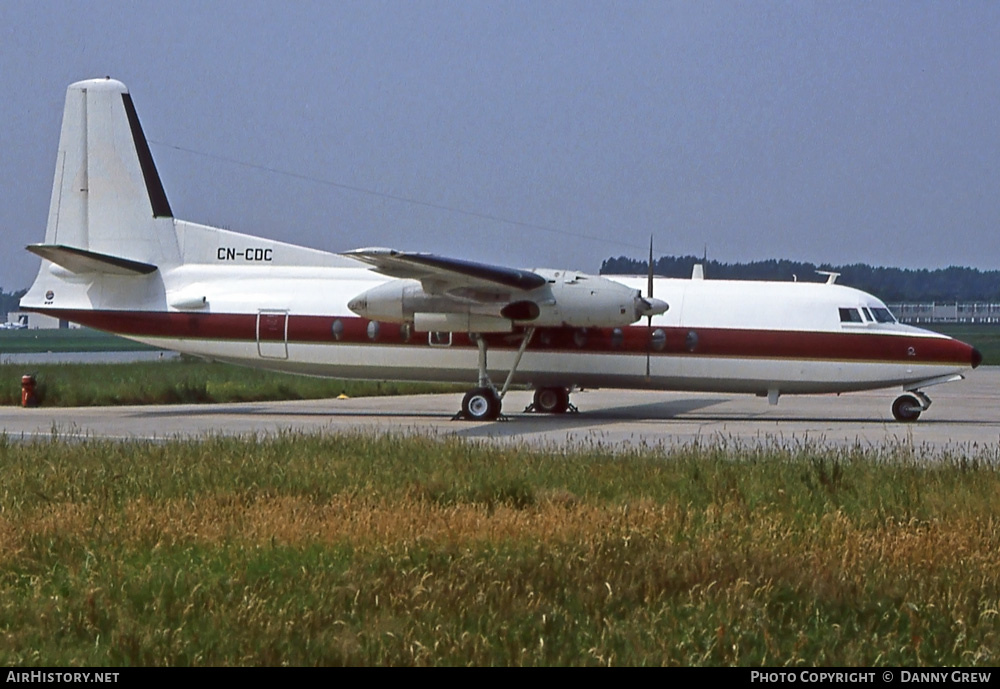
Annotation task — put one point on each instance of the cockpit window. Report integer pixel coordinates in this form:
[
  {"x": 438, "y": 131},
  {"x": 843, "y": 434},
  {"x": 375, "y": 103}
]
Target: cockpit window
[
  {"x": 883, "y": 315},
  {"x": 868, "y": 314},
  {"x": 850, "y": 316}
]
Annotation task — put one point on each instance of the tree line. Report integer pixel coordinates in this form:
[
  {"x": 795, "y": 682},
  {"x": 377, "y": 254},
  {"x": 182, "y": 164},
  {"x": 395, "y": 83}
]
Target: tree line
[
  {"x": 889, "y": 284},
  {"x": 9, "y": 302}
]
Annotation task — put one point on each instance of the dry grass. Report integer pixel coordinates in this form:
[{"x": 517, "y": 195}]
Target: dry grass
[{"x": 358, "y": 550}]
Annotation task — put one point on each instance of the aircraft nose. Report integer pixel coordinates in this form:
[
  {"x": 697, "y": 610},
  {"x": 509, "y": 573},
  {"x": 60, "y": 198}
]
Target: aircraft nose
[{"x": 977, "y": 357}]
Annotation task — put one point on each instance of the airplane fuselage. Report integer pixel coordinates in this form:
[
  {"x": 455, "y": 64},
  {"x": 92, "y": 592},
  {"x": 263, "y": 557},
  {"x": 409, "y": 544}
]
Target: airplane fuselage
[{"x": 718, "y": 335}]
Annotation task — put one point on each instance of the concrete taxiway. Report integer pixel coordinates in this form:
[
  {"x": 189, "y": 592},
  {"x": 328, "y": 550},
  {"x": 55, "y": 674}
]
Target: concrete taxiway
[{"x": 964, "y": 418}]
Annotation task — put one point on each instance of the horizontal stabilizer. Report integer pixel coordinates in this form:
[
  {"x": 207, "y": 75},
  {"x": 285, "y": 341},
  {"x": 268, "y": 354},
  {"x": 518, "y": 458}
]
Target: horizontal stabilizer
[{"x": 83, "y": 261}]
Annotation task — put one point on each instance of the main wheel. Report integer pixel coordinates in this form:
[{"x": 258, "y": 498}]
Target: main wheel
[
  {"x": 906, "y": 408},
  {"x": 552, "y": 400},
  {"x": 481, "y": 404}
]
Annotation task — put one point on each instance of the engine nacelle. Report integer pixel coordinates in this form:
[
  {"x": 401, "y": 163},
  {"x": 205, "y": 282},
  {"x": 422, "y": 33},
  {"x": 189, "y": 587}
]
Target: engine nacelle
[
  {"x": 579, "y": 300},
  {"x": 567, "y": 299},
  {"x": 396, "y": 301}
]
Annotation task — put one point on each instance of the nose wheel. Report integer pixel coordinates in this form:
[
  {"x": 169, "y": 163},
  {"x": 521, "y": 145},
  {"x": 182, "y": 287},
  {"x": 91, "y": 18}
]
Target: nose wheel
[{"x": 907, "y": 408}]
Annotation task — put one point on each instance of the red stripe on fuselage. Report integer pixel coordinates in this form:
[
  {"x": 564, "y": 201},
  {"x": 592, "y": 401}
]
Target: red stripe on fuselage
[{"x": 714, "y": 342}]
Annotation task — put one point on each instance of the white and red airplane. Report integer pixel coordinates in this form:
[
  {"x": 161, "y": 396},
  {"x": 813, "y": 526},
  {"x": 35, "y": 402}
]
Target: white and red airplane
[{"x": 116, "y": 259}]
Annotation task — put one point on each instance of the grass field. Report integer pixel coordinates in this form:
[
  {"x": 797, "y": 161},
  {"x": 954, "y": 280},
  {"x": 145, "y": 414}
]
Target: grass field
[
  {"x": 65, "y": 340},
  {"x": 414, "y": 551},
  {"x": 183, "y": 381}
]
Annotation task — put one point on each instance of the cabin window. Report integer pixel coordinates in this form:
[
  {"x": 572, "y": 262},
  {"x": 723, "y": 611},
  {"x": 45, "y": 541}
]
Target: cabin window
[
  {"x": 691, "y": 340},
  {"x": 439, "y": 339},
  {"x": 337, "y": 329},
  {"x": 580, "y": 337},
  {"x": 658, "y": 340},
  {"x": 373, "y": 330},
  {"x": 850, "y": 316},
  {"x": 617, "y": 338},
  {"x": 883, "y": 315},
  {"x": 405, "y": 332}
]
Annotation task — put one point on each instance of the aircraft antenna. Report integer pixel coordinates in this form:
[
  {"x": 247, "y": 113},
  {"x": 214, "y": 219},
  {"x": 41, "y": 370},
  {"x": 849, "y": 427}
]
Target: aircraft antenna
[{"x": 493, "y": 217}]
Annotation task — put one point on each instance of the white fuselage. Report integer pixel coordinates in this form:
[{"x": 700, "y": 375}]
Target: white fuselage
[{"x": 717, "y": 335}]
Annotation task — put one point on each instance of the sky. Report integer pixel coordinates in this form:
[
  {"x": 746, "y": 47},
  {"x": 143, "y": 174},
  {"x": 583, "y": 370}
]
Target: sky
[{"x": 536, "y": 134}]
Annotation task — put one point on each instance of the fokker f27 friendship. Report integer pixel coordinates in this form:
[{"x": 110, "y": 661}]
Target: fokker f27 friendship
[{"x": 116, "y": 259}]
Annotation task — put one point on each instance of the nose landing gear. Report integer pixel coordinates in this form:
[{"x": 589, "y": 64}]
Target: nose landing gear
[{"x": 907, "y": 408}]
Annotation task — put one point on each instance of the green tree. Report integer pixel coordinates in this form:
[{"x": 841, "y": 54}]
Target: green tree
[{"x": 891, "y": 284}]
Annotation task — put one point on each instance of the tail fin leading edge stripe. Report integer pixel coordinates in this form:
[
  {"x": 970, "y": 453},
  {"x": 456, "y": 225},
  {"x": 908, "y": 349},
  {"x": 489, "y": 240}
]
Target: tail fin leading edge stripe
[{"x": 157, "y": 197}]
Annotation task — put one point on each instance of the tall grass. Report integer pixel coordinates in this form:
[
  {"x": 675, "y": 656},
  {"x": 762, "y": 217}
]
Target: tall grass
[{"x": 312, "y": 550}]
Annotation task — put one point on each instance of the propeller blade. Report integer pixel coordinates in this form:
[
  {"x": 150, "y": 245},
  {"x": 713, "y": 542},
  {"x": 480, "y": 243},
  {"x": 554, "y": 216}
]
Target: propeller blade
[
  {"x": 649, "y": 284},
  {"x": 649, "y": 297},
  {"x": 649, "y": 288}
]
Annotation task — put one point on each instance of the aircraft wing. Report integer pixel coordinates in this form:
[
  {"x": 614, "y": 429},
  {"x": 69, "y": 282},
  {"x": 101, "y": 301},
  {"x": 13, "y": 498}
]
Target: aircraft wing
[{"x": 441, "y": 274}]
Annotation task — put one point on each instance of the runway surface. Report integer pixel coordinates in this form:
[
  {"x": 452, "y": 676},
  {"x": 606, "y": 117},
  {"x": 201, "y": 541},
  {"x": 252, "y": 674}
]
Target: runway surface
[{"x": 964, "y": 418}]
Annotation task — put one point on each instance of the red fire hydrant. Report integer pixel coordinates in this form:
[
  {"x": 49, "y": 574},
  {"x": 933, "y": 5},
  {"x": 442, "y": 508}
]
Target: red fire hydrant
[{"x": 28, "y": 396}]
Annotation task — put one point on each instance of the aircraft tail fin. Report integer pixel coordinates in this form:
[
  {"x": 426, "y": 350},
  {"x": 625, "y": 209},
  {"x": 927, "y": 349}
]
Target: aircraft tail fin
[{"x": 108, "y": 207}]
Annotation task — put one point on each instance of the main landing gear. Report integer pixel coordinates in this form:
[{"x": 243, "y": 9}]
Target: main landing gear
[
  {"x": 551, "y": 401},
  {"x": 907, "y": 407},
  {"x": 481, "y": 404},
  {"x": 485, "y": 402}
]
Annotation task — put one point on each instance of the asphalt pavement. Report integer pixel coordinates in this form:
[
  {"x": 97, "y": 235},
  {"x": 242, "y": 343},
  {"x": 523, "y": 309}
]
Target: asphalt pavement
[{"x": 964, "y": 418}]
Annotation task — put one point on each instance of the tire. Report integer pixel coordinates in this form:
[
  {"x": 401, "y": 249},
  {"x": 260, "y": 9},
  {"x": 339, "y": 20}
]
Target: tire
[
  {"x": 906, "y": 408},
  {"x": 481, "y": 404},
  {"x": 552, "y": 400}
]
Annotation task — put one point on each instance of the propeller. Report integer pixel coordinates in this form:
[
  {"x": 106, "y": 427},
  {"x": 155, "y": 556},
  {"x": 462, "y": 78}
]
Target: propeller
[
  {"x": 649, "y": 297},
  {"x": 648, "y": 306},
  {"x": 651, "y": 307},
  {"x": 649, "y": 291}
]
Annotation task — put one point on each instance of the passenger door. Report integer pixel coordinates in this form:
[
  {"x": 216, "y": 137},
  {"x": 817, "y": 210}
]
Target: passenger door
[{"x": 272, "y": 334}]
